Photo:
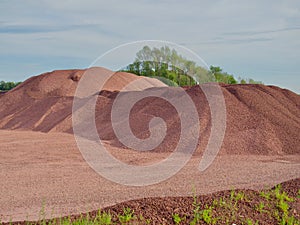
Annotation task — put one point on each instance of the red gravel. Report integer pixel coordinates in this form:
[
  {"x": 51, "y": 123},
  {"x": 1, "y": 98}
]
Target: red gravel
[{"x": 260, "y": 119}]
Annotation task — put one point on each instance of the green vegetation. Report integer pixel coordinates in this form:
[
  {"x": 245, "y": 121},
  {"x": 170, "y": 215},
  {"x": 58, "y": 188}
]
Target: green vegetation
[
  {"x": 127, "y": 216},
  {"x": 177, "y": 219},
  {"x": 175, "y": 70},
  {"x": 235, "y": 207},
  {"x": 6, "y": 86},
  {"x": 224, "y": 77},
  {"x": 168, "y": 64}
]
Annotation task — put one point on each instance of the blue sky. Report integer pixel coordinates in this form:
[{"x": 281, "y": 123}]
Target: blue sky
[{"x": 256, "y": 39}]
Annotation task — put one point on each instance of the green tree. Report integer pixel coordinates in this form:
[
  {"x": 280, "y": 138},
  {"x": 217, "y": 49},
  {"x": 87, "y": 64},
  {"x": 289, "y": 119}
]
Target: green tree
[
  {"x": 6, "y": 86},
  {"x": 251, "y": 81},
  {"x": 226, "y": 78},
  {"x": 215, "y": 69},
  {"x": 167, "y": 63}
]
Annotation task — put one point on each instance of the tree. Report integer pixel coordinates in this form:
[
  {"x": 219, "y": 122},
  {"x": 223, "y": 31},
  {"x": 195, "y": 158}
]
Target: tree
[
  {"x": 215, "y": 69},
  {"x": 166, "y": 62},
  {"x": 226, "y": 78},
  {"x": 6, "y": 86}
]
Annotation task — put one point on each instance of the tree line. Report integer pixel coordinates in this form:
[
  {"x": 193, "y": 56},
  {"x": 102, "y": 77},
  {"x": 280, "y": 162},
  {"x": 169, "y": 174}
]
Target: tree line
[
  {"x": 168, "y": 66},
  {"x": 6, "y": 86},
  {"x": 175, "y": 70},
  {"x": 224, "y": 77}
]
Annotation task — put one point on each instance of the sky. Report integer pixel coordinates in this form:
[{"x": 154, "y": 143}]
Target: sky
[{"x": 252, "y": 39}]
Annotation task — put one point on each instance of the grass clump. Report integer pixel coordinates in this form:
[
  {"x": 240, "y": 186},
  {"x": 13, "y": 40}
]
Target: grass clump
[{"x": 127, "y": 216}]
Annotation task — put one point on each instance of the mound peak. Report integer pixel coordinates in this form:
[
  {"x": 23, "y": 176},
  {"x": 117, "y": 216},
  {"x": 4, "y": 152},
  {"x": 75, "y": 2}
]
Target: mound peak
[{"x": 63, "y": 83}]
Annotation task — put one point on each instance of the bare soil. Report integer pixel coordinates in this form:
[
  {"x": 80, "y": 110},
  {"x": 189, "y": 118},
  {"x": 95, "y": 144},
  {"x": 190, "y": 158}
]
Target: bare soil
[{"x": 46, "y": 172}]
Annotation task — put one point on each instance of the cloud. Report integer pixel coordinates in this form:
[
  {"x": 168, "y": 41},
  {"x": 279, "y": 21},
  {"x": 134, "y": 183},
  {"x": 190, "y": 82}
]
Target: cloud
[
  {"x": 26, "y": 29},
  {"x": 251, "y": 33},
  {"x": 228, "y": 41},
  {"x": 54, "y": 28}
]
